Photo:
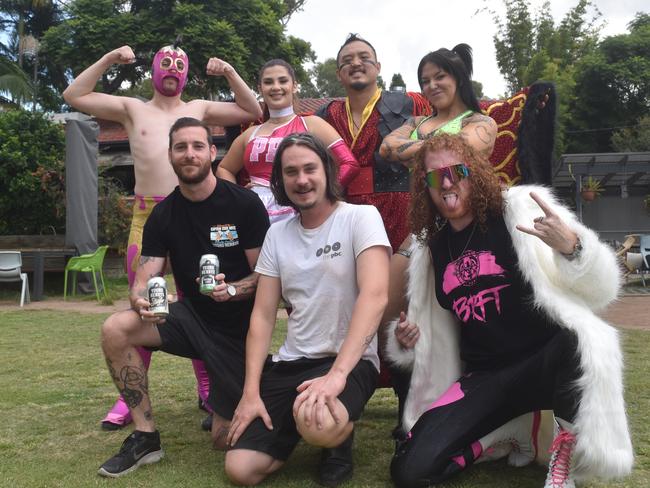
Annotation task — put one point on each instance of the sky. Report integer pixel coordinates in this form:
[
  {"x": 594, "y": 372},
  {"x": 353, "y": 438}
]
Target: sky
[{"x": 404, "y": 31}]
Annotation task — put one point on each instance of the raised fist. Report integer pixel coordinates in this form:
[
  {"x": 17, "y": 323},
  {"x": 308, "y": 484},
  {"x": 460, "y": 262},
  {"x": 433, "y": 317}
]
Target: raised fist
[
  {"x": 218, "y": 67},
  {"x": 122, "y": 55}
]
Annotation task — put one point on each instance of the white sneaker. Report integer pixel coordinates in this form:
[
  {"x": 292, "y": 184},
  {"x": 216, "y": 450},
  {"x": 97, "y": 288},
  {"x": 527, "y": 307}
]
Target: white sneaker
[
  {"x": 516, "y": 439},
  {"x": 559, "y": 468}
]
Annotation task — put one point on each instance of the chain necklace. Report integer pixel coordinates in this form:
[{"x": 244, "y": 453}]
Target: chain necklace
[{"x": 451, "y": 258}]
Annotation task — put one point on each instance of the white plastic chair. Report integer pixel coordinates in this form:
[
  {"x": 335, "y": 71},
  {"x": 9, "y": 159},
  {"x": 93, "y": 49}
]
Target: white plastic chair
[
  {"x": 644, "y": 247},
  {"x": 10, "y": 263}
]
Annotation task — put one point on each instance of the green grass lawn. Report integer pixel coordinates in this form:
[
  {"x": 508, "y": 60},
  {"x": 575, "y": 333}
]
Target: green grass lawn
[{"x": 54, "y": 390}]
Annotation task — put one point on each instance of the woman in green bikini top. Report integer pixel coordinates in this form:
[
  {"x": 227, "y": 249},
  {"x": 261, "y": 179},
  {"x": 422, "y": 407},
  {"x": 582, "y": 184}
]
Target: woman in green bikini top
[{"x": 445, "y": 80}]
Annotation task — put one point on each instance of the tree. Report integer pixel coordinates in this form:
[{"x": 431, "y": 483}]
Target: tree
[
  {"x": 531, "y": 48},
  {"x": 290, "y": 8},
  {"x": 14, "y": 81},
  {"x": 477, "y": 86},
  {"x": 17, "y": 12},
  {"x": 513, "y": 42},
  {"x": 525, "y": 44},
  {"x": 633, "y": 139},
  {"x": 612, "y": 88},
  {"x": 380, "y": 82},
  {"x": 397, "y": 81},
  {"x": 323, "y": 82},
  {"x": 31, "y": 164},
  {"x": 25, "y": 22},
  {"x": 246, "y": 33}
]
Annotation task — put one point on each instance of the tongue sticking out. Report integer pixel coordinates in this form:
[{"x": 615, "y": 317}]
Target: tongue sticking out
[{"x": 451, "y": 200}]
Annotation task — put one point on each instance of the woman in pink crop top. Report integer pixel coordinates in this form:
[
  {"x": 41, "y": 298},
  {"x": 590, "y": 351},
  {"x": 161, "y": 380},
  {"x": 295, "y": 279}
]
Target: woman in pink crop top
[{"x": 254, "y": 150}]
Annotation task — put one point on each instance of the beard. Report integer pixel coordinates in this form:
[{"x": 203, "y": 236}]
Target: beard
[
  {"x": 202, "y": 174},
  {"x": 303, "y": 206},
  {"x": 359, "y": 85}
]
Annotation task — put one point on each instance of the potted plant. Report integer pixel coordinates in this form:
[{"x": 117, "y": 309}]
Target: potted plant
[{"x": 591, "y": 188}]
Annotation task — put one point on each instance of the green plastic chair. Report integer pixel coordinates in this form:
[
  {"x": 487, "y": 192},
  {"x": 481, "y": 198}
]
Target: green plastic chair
[{"x": 86, "y": 263}]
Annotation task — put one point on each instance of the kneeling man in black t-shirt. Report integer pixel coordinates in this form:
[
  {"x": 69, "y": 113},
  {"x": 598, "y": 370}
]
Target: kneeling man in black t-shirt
[{"x": 202, "y": 215}]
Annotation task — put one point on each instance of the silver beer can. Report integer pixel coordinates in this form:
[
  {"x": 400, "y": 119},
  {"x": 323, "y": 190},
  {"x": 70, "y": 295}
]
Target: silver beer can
[
  {"x": 208, "y": 270},
  {"x": 157, "y": 294}
]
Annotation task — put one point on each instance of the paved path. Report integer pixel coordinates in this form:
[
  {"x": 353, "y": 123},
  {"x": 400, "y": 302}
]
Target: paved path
[{"x": 629, "y": 312}]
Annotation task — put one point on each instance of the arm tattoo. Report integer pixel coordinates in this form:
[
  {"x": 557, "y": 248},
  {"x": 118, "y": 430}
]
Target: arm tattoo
[
  {"x": 145, "y": 259},
  {"x": 246, "y": 286},
  {"x": 474, "y": 119},
  {"x": 368, "y": 340},
  {"x": 388, "y": 149},
  {"x": 428, "y": 135},
  {"x": 405, "y": 147},
  {"x": 482, "y": 134}
]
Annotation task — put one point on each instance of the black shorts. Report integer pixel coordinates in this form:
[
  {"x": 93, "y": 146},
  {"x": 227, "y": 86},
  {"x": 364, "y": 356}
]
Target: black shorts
[
  {"x": 278, "y": 391},
  {"x": 185, "y": 334}
]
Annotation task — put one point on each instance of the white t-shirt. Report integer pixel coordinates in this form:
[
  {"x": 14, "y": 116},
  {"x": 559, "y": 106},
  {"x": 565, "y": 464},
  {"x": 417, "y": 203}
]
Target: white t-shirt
[{"x": 317, "y": 271}]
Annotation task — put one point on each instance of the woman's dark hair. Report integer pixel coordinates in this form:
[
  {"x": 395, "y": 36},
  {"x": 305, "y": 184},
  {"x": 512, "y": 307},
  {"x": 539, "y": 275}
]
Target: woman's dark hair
[
  {"x": 458, "y": 63},
  {"x": 305, "y": 139},
  {"x": 292, "y": 74}
]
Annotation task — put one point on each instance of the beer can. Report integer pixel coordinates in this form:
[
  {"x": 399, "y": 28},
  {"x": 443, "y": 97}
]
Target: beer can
[
  {"x": 157, "y": 294},
  {"x": 208, "y": 270}
]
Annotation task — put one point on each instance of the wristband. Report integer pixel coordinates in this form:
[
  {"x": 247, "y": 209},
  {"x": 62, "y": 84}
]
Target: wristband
[{"x": 577, "y": 251}]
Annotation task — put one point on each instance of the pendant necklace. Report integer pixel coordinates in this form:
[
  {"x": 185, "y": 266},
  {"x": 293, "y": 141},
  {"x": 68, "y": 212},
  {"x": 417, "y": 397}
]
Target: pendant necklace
[{"x": 451, "y": 259}]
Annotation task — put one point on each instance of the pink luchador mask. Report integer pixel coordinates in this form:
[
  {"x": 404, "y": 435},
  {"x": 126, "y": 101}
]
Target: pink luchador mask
[{"x": 170, "y": 62}]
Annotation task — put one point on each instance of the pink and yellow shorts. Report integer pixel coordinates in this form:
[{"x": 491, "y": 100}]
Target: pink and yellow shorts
[{"x": 142, "y": 207}]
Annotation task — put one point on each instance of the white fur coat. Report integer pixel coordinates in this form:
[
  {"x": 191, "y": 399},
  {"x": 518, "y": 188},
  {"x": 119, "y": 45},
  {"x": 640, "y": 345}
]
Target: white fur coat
[{"x": 570, "y": 292}]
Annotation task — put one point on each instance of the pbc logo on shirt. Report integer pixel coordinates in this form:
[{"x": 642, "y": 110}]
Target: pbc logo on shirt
[
  {"x": 224, "y": 235},
  {"x": 330, "y": 251}
]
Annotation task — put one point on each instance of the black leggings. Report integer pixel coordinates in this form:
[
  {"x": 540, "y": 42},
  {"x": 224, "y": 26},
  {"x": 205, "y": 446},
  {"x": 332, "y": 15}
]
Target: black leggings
[{"x": 482, "y": 401}]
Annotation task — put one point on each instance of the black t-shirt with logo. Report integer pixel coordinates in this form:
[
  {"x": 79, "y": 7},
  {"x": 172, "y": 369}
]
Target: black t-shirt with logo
[
  {"x": 478, "y": 280},
  {"x": 231, "y": 220}
]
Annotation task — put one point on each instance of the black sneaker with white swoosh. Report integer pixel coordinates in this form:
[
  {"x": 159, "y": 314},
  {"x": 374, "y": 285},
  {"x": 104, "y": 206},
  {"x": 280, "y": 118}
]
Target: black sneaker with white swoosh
[{"x": 137, "y": 449}]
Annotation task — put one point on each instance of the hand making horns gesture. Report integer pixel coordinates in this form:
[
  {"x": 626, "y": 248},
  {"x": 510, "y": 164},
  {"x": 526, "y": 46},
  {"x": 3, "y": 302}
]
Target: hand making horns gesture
[{"x": 551, "y": 229}]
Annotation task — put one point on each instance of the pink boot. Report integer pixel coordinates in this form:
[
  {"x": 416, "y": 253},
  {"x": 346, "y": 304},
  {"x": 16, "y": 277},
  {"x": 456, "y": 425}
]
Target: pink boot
[
  {"x": 119, "y": 416},
  {"x": 202, "y": 384}
]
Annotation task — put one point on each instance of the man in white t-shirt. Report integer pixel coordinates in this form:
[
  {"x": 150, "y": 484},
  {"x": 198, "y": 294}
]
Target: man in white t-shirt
[{"x": 330, "y": 266}]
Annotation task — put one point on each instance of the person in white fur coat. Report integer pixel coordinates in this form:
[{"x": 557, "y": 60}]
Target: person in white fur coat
[{"x": 502, "y": 290}]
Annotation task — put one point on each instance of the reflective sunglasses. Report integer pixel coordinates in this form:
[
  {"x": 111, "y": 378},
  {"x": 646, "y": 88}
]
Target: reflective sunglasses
[{"x": 454, "y": 174}]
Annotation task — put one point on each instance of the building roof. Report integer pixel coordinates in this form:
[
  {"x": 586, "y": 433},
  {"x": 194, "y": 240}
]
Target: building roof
[{"x": 611, "y": 169}]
